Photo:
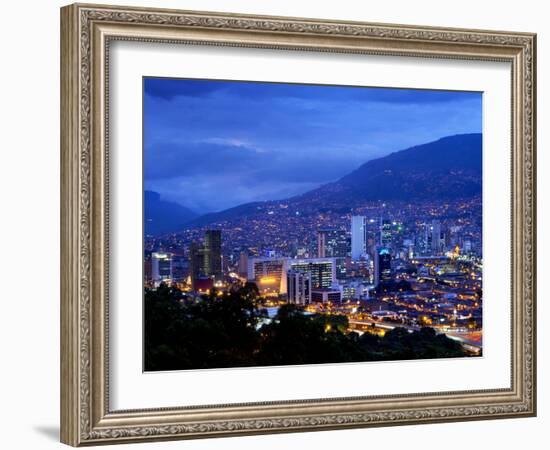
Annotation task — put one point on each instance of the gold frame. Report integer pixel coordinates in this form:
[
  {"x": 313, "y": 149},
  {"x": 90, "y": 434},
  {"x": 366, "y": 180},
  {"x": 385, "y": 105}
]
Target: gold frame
[{"x": 86, "y": 31}]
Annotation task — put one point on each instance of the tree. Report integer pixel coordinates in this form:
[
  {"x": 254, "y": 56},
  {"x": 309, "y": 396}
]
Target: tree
[{"x": 229, "y": 330}]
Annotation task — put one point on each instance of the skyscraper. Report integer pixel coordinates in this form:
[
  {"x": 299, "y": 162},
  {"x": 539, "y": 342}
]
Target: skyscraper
[
  {"x": 322, "y": 236},
  {"x": 322, "y": 270},
  {"x": 213, "y": 254},
  {"x": 243, "y": 264},
  {"x": 196, "y": 262},
  {"x": 332, "y": 244},
  {"x": 358, "y": 236},
  {"x": 382, "y": 266},
  {"x": 180, "y": 267},
  {"x": 385, "y": 233},
  {"x": 434, "y": 240}
]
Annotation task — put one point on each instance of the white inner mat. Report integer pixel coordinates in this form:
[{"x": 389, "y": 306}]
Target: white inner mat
[{"x": 130, "y": 388}]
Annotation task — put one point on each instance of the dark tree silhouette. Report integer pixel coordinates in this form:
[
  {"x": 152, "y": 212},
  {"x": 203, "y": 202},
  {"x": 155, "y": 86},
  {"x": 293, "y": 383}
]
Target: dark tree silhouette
[{"x": 229, "y": 330}]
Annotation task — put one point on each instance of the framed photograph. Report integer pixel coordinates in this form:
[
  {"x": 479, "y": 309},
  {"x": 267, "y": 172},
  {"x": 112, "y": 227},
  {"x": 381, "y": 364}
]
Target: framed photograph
[{"x": 276, "y": 224}]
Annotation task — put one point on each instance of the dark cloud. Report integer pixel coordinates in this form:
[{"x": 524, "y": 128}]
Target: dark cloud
[
  {"x": 178, "y": 160},
  {"x": 169, "y": 88},
  {"x": 211, "y": 145}
]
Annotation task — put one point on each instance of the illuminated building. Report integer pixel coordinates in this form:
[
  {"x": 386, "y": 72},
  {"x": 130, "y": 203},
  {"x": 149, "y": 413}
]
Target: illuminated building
[
  {"x": 382, "y": 266},
  {"x": 269, "y": 274},
  {"x": 180, "y": 267},
  {"x": 434, "y": 243},
  {"x": 334, "y": 244},
  {"x": 358, "y": 236},
  {"x": 322, "y": 270},
  {"x": 213, "y": 254},
  {"x": 385, "y": 233},
  {"x": 203, "y": 285},
  {"x": 322, "y": 236},
  {"x": 299, "y": 287},
  {"x": 243, "y": 264},
  {"x": 206, "y": 260},
  {"x": 161, "y": 268},
  {"x": 325, "y": 295},
  {"x": 196, "y": 262}
]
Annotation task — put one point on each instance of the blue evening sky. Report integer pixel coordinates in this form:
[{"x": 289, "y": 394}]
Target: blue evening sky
[{"x": 210, "y": 145}]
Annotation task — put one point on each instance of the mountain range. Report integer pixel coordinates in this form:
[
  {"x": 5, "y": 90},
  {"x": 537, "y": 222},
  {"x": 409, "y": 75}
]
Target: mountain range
[
  {"x": 162, "y": 217},
  {"x": 446, "y": 169}
]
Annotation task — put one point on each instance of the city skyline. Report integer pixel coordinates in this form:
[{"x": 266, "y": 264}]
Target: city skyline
[
  {"x": 331, "y": 247},
  {"x": 202, "y": 134}
]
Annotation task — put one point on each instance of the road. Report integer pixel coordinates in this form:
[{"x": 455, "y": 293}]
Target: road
[{"x": 472, "y": 340}]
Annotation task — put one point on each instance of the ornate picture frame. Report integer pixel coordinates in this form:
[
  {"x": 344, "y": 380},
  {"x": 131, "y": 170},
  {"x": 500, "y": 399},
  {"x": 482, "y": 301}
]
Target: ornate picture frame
[{"x": 86, "y": 34}]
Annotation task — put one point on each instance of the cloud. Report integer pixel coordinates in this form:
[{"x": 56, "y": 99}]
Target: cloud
[
  {"x": 195, "y": 192},
  {"x": 169, "y": 88},
  {"x": 249, "y": 164},
  {"x": 237, "y": 141}
]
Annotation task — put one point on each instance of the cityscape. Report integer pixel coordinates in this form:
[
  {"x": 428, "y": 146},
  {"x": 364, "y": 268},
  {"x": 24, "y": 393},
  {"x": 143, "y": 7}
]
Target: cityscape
[{"x": 381, "y": 266}]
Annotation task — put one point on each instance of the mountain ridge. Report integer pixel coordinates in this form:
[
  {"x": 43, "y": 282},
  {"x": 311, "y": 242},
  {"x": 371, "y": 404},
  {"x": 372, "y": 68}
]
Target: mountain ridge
[
  {"x": 445, "y": 169},
  {"x": 162, "y": 217}
]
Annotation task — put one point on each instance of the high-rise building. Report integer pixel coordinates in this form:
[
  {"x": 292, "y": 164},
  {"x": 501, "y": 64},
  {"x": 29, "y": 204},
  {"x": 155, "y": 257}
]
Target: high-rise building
[
  {"x": 269, "y": 274},
  {"x": 322, "y": 270},
  {"x": 358, "y": 236},
  {"x": 298, "y": 287},
  {"x": 434, "y": 241},
  {"x": 213, "y": 254},
  {"x": 385, "y": 233},
  {"x": 197, "y": 260},
  {"x": 382, "y": 266},
  {"x": 161, "y": 268},
  {"x": 243, "y": 264},
  {"x": 337, "y": 244},
  {"x": 180, "y": 267},
  {"x": 322, "y": 236},
  {"x": 334, "y": 244}
]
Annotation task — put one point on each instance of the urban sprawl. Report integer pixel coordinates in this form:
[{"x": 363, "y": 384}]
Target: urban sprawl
[{"x": 382, "y": 266}]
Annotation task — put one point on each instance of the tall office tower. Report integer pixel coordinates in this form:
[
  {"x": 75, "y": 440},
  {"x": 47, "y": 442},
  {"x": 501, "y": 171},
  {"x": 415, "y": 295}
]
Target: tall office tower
[
  {"x": 385, "y": 233},
  {"x": 213, "y": 254},
  {"x": 322, "y": 236},
  {"x": 436, "y": 243},
  {"x": 243, "y": 264},
  {"x": 332, "y": 244},
  {"x": 337, "y": 244},
  {"x": 298, "y": 287},
  {"x": 358, "y": 236},
  {"x": 322, "y": 270},
  {"x": 197, "y": 261},
  {"x": 161, "y": 264},
  {"x": 382, "y": 266},
  {"x": 180, "y": 267}
]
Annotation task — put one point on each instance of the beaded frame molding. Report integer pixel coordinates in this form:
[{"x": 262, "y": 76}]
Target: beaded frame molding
[{"x": 86, "y": 33}]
